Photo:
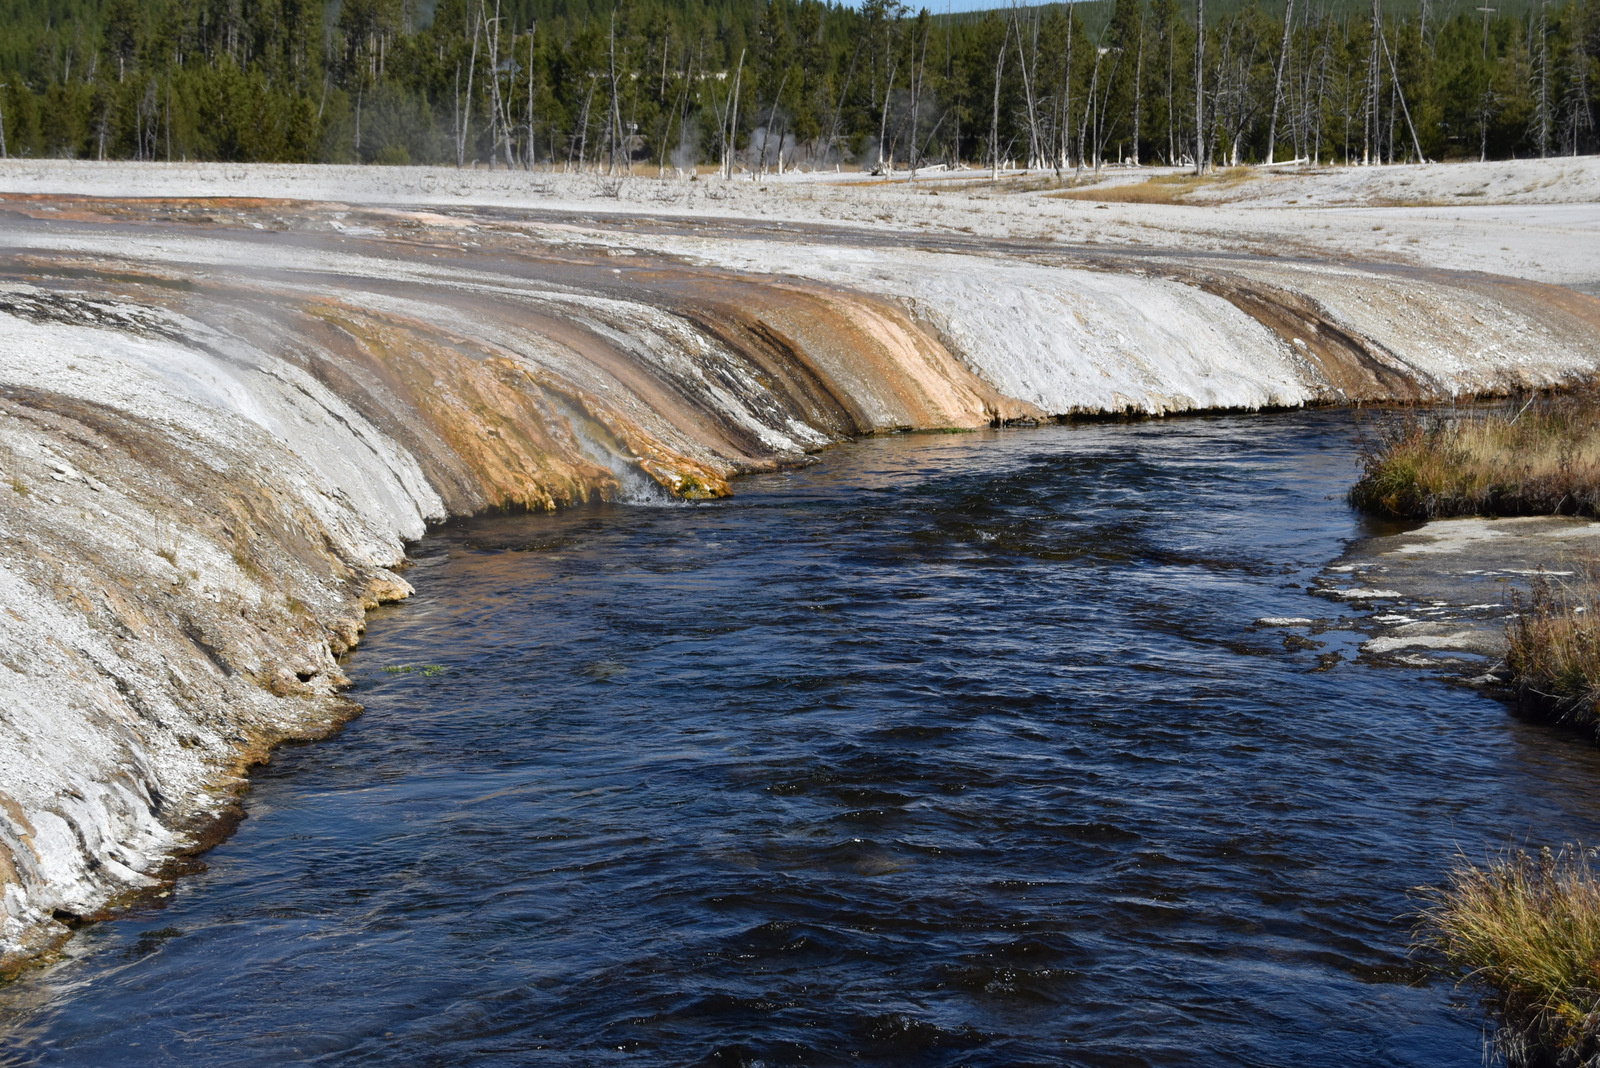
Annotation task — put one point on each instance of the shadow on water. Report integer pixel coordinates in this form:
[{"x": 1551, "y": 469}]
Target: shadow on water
[{"x": 945, "y": 750}]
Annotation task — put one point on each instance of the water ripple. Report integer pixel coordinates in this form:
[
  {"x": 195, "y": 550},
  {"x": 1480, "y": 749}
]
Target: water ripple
[{"x": 946, "y": 750}]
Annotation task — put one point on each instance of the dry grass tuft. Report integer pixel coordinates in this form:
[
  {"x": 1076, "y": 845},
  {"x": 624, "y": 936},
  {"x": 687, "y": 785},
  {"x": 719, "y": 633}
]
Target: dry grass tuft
[
  {"x": 1526, "y": 929},
  {"x": 1553, "y": 646},
  {"x": 1162, "y": 189},
  {"x": 1538, "y": 456}
]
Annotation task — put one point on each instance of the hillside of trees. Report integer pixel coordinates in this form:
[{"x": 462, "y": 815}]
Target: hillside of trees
[{"x": 769, "y": 84}]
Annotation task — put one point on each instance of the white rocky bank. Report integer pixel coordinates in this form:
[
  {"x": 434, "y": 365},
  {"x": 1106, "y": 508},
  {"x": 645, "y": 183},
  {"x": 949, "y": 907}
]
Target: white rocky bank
[
  {"x": 183, "y": 544},
  {"x": 214, "y": 444}
]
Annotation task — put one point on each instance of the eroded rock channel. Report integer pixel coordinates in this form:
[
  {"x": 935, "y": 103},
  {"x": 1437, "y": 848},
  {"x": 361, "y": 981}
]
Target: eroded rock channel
[{"x": 222, "y": 421}]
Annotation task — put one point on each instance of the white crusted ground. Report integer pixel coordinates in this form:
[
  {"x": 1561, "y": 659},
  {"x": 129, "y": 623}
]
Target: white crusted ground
[{"x": 1521, "y": 218}]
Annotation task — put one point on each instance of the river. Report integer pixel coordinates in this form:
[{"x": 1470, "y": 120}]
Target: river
[{"x": 945, "y": 750}]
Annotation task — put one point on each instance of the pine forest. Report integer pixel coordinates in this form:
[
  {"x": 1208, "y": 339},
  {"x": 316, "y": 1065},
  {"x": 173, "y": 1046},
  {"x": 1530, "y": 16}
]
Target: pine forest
[{"x": 670, "y": 86}]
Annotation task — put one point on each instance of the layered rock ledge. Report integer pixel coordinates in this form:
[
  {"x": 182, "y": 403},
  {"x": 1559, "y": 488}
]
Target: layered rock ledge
[{"x": 221, "y": 420}]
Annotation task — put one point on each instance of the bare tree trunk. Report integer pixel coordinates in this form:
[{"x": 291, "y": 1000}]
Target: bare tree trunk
[
  {"x": 1395, "y": 75},
  {"x": 613, "y": 116},
  {"x": 766, "y": 138},
  {"x": 994, "y": 127},
  {"x": 1542, "y": 114},
  {"x": 1032, "y": 70},
  {"x": 920, "y": 75},
  {"x": 683, "y": 97},
  {"x": 1027, "y": 94},
  {"x": 511, "y": 87},
  {"x": 1200, "y": 87},
  {"x": 500, "y": 119},
  {"x": 1138, "y": 86},
  {"x": 1172, "y": 112},
  {"x": 583, "y": 127},
  {"x": 1101, "y": 104},
  {"x": 666, "y": 136},
  {"x": 1394, "y": 89},
  {"x": 466, "y": 108},
  {"x": 491, "y": 38},
  {"x": 533, "y": 151},
  {"x": 883, "y": 122},
  {"x": 1277, "y": 84},
  {"x": 1322, "y": 87},
  {"x": 838, "y": 110},
  {"x": 1088, "y": 111},
  {"x": 1066, "y": 97},
  {"x": 1370, "y": 146},
  {"x": 733, "y": 121}
]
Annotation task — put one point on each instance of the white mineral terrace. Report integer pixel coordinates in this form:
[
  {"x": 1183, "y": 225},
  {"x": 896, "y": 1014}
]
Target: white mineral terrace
[{"x": 222, "y": 418}]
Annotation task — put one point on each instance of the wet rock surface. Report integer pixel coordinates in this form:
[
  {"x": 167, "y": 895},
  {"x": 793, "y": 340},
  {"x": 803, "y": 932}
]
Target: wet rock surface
[{"x": 1439, "y": 595}]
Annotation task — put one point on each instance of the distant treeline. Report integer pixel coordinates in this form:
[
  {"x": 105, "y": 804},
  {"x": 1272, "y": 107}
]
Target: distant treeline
[{"x": 782, "y": 83}]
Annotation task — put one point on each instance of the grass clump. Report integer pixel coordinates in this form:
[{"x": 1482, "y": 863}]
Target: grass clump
[
  {"x": 1525, "y": 929},
  {"x": 1159, "y": 189},
  {"x": 1553, "y": 646},
  {"x": 1533, "y": 456}
]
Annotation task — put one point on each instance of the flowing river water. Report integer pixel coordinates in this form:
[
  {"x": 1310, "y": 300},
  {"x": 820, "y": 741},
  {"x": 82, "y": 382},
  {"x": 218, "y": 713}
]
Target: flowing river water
[{"x": 946, "y": 750}]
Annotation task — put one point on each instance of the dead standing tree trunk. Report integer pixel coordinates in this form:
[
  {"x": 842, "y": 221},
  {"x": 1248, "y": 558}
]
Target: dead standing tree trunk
[
  {"x": 1277, "y": 84},
  {"x": 1101, "y": 105},
  {"x": 1088, "y": 110},
  {"x": 772, "y": 113},
  {"x": 1138, "y": 86},
  {"x": 838, "y": 110},
  {"x": 1066, "y": 101},
  {"x": 994, "y": 126},
  {"x": 1394, "y": 75},
  {"x": 732, "y": 133},
  {"x": 919, "y": 75},
  {"x": 500, "y": 115},
  {"x": 1199, "y": 87},
  {"x": 464, "y": 112},
  {"x": 533, "y": 150},
  {"x": 613, "y": 114},
  {"x": 883, "y": 123},
  {"x": 1027, "y": 95},
  {"x": 1370, "y": 130}
]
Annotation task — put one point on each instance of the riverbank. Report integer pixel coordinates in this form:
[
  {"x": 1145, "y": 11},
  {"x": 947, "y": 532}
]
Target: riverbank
[
  {"x": 1538, "y": 456},
  {"x": 1525, "y": 931},
  {"x": 223, "y": 419}
]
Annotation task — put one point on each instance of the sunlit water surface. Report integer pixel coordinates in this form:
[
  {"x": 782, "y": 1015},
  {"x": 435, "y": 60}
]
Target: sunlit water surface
[{"x": 947, "y": 750}]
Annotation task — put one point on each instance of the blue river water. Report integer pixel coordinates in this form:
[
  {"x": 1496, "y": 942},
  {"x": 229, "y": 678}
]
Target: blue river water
[{"x": 945, "y": 750}]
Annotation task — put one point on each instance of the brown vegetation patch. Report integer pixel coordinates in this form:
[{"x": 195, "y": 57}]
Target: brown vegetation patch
[
  {"x": 1526, "y": 930},
  {"x": 1553, "y": 647},
  {"x": 1161, "y": 189},
  {"x": 1534, "y": 456}
]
